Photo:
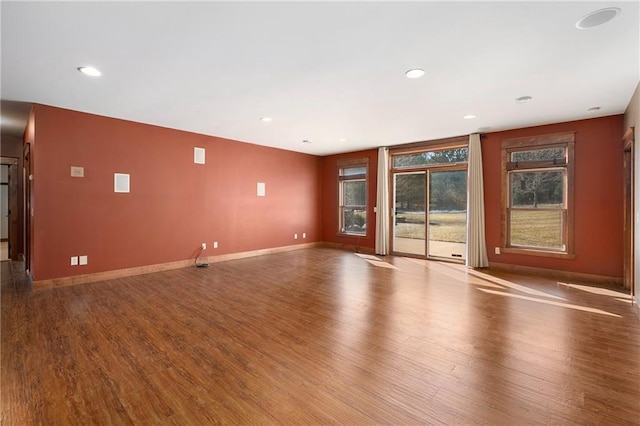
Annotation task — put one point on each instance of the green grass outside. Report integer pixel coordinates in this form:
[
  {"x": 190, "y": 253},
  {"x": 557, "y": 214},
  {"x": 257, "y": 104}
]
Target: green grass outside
[
  {"x": 528, "y": 228},
  {"x": 443, "y": 227},
  {"x": 537, "y": 228}
]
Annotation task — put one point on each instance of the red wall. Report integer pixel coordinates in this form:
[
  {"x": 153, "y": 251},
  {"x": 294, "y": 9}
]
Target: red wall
[
  {"x": 174, "y": 204},
  {"x": 330, "y": 220},
  {"x": 598, "y": 197},
  {"x": 598, "y": 232}
]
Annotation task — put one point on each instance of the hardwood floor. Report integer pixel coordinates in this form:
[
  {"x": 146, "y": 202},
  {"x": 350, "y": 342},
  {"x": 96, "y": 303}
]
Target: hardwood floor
[{"x": 319, "y": 336}]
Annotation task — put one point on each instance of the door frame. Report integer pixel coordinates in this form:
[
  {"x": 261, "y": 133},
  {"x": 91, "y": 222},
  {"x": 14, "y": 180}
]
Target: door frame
[
  {"x": 392, "y": 213},
  {"x": 451, "y": 168},
  {"x": 628, "y": 267},
  {"x": 27, "y": 189},
  {"x": 427, "y": 174}
]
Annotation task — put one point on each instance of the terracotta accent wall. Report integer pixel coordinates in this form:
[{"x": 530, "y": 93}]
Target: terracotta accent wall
[
  {"x": 174, "y": 205},
  {"x": 330, "y": 220},
  {"x": 598, "y": 196}
]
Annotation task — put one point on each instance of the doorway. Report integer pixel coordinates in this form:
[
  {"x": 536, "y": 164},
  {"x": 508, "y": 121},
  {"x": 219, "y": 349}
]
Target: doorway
[
  {"x": 9, "y": 217},
  {"x": 430, "y": 213}
]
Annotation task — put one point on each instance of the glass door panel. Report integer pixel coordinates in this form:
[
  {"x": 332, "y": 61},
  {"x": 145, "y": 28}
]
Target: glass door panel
[
  {"x": 409, "y": 213},
  {"x": 447, "y": 214}
]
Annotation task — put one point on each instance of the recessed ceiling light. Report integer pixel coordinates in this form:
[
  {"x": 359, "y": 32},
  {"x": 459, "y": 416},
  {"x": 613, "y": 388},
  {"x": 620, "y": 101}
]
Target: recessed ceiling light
[
  {"x": 342, "y": 140},
  {"x": 597, "y": 18},
  {"x": 266, "y": 119},
  {"x": 93, "y": 72},
  {"x": 523, "y": 99},
  {"x": 415, "y": 73},
  {"x": 593, "y": 109},
  {"x": 469, "y": 116},
  {"x": 306, "y": 141}
]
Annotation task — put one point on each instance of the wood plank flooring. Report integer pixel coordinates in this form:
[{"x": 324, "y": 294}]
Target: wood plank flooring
[{"x": 319, "y": 336}]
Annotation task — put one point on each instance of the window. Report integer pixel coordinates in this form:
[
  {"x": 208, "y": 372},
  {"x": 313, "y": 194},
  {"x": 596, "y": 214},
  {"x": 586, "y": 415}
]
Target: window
[
  {"x": 537, "y": 196},
  {"x": 352, "y": 180},
  {"x": 432, "y": 158}
]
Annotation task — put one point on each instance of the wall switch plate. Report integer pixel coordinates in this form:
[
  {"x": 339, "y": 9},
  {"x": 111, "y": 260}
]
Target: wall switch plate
[
  {"x": 295, "y": 236},
  {"x": 204, "y": 246},
  {"x": 497, "y": 250},
  {"x": 84, "y": 260},
  {"x": 77, "y": 171},
  {"x": 215, "y": 244},
  {"x": 74, "y": 260},
  {"x": 304, "y": 235}
]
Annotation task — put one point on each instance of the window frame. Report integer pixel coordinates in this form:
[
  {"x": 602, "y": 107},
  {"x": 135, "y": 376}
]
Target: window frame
[
  {"x": 557, "y": 140},
  {"x": 417, "y": 148},
  {"x": 348, "y": 164}
]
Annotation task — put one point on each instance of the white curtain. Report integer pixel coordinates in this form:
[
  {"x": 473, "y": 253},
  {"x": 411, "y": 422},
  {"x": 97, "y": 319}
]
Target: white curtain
[
  {"x": 476, "y": 242},
  {"x": 382, "y": 203}
]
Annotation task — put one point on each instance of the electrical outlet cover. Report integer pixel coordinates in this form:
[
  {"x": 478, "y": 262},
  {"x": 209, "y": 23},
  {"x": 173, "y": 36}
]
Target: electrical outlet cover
[{"x": 74, "y": 260}]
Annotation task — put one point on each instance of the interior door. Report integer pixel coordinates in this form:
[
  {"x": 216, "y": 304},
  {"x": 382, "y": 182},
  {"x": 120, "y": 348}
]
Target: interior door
[
  {"x": 409, "y": 213},
  {"x": 447, "y": 219}
]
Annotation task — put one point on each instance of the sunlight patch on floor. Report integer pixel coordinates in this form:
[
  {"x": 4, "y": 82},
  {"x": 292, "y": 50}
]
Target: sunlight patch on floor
[
  {"x": 501, "y": 285},
  {"x": 550, "y": 302},
  {"x": 597, "y": 290},
  {"x": 381, "y": 264},
  {"x": 368, "y": 256},
  {"x": 376, "y": 261},
  {"x": 514, "y": 286}
]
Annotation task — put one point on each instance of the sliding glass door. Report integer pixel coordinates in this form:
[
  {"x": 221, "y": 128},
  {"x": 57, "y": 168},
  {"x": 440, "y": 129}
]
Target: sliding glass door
[
  {"x": 409, "y": 213},
  {"x": 447, "y": 225},
  {"x": 430, "y": 213}
]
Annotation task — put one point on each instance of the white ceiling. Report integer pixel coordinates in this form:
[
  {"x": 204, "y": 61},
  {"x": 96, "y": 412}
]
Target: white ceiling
[{"x": 323, "y": 71}]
